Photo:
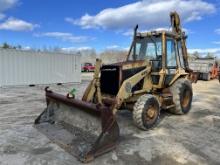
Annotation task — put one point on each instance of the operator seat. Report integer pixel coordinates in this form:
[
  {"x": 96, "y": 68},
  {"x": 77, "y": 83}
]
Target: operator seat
[{"x": 157, "y": 64}]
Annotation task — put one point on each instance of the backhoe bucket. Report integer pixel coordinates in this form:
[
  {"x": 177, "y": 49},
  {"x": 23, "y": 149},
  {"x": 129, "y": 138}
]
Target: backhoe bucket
[{"x": 83, "y": 129}]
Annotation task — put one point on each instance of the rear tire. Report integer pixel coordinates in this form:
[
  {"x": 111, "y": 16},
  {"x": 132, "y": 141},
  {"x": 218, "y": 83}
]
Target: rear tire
[
  {"x": 182, "y": 96},
  {"x": 146, "y": 112}
]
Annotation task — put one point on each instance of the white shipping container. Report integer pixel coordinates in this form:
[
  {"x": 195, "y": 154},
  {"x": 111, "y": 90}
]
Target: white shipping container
[{"x": 19, "y": 67}]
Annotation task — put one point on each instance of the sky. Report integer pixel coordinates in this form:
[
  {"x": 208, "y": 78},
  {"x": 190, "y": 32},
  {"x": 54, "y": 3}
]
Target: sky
[{"x": 85, "y": 24}]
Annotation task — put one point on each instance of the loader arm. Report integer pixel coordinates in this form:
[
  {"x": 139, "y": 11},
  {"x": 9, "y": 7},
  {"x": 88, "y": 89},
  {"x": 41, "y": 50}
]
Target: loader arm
[
  {"x": 93, "y": 89},
  {"x": 126, "y": 88}
]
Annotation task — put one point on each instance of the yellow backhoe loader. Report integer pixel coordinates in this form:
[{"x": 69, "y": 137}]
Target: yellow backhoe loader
[{"x": 155, "y": 75}]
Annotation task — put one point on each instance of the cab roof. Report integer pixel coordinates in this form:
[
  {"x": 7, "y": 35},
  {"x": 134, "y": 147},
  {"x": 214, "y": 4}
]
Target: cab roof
[{"x": 160, "y": 32}]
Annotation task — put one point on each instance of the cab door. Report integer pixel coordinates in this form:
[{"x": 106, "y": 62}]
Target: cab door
[{"x": 171, "y": 60}]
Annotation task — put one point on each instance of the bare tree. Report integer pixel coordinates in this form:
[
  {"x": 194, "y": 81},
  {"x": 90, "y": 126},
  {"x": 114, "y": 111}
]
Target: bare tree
[
  {"x": 6, "y": 45},
  {"x": 210, "y": 55},
  {"x": 113, "y": 56}
]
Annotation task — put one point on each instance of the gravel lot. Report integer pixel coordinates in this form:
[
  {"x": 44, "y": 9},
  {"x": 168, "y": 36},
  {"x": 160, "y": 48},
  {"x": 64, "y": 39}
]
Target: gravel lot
[{"x": 190, "y": 139}]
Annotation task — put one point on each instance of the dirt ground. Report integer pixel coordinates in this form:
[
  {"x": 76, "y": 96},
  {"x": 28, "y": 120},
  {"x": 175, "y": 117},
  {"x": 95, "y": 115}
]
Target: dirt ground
[{"x": 190, "y": 139}]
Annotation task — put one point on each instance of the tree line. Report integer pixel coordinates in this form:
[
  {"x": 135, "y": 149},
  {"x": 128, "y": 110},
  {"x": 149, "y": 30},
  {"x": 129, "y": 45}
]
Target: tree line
[
  {"x": 89, "y": 55},
  {"x": 195, "y": 55},
  {"x": 5, "y": 45}
]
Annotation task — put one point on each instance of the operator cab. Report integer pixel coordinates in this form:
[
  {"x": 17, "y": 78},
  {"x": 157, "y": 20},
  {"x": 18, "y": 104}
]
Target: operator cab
[
  {"x": 164, "y": 51},
  {"x": 148, "y": 48}
]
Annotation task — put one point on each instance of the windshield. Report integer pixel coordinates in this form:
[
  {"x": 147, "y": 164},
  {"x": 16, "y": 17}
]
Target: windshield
[{"x": 147, "y": 48}]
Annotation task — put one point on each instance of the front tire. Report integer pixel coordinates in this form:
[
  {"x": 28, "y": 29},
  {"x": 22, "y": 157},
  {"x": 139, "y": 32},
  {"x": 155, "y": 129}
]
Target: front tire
[
  {"x": 182, "y": 96},
  {"x": 146, "y": 112}
]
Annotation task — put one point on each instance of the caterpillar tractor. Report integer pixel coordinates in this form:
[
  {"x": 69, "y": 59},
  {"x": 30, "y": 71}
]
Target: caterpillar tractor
[{"x": 154, "y": 76}]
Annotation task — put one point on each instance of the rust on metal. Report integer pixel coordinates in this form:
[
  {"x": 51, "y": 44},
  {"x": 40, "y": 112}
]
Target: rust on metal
[
  {"x": 51, "y": 124},
  {"x": 186, "y": 98},
  {"x": 88, "y": 128}
]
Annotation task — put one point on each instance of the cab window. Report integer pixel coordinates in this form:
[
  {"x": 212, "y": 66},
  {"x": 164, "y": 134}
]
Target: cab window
[
  {"x": 180, "y": 54},
  {"x": 147, "y": 48},
  {"x": 171, "y": 53}
]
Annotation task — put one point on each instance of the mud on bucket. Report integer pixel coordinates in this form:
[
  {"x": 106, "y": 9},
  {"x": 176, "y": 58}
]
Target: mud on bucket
[{"x": 82, "y": 129}]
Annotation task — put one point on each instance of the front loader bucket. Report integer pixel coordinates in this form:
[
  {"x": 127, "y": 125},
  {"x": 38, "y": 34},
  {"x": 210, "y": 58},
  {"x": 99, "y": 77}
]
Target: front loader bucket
[{"x": 83, "y": 129}]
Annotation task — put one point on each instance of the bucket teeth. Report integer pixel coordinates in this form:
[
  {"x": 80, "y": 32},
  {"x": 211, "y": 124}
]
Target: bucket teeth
[{"x": 83, "y": 129}]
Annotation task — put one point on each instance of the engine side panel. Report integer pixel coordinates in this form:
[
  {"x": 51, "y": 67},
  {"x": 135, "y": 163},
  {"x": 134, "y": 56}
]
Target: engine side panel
[{"x": 112, "y": 77}]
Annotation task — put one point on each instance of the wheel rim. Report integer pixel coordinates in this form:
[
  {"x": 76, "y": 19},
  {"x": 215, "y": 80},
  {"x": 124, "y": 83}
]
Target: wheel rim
[
  {"x": 186, "y": 98},
  {"x": 151, "y": 113}
]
